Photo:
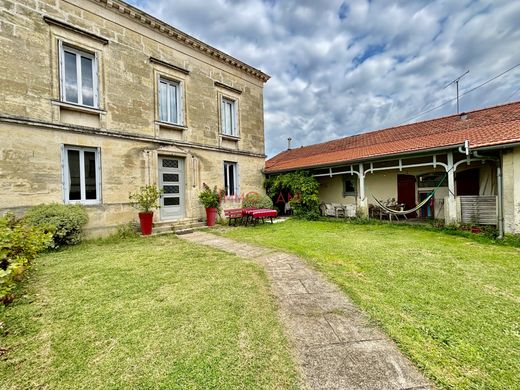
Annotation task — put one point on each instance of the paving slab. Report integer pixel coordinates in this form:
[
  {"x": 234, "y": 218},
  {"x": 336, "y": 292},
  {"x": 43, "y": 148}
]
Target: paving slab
[{"x": 335, "y": 344}]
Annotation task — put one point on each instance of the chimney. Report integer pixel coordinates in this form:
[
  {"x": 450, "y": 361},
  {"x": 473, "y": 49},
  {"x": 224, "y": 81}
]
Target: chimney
[{"x": 289, "y": 143}]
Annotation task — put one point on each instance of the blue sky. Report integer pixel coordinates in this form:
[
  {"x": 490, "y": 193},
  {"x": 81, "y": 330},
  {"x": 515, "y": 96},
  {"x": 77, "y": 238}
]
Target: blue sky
[{"x": 340, "y": 68}]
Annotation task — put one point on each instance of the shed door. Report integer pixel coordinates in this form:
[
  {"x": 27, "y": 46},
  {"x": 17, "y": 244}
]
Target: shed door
[
  {"x": 468, "y": 182},
  {"x": 406, "y": 191},
  {"x": 171, "y": 181}
]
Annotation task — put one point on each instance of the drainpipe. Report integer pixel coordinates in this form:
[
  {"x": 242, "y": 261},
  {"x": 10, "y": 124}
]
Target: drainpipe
[{"x": 500, "y": 190}]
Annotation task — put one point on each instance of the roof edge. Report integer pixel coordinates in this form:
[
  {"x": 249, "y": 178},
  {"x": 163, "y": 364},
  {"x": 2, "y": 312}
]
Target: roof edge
[
  {"x": 407, "y": 124},
  {"x": 171, "y": 32},
  {"x": 360, "y": 160}
]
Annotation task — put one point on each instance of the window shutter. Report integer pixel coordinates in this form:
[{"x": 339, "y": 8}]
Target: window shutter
[
  {"x": 95, "y": 84},
  {"x": 237, "y": 180},
  {"x": 181, "y": 104},
  {"x": 64, "y": 184},
  {"x": 222, "y": 115},
  {"x": 61, "y": 70},
  {"x": 98, "y": 175},
  {"x": 235, "y": 121}
]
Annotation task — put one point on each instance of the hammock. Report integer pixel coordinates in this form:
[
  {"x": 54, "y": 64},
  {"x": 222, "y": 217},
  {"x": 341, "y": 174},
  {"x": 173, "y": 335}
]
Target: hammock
[{"x": 404, "y": 212}]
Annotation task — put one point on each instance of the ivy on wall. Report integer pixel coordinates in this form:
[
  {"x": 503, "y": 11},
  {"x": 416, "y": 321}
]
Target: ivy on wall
[{"x": 304, "y": 187}]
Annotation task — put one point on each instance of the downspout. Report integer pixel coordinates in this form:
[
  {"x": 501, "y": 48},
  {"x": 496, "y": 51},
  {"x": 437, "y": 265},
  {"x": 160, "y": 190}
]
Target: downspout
[{"x": 500, "y": 191}]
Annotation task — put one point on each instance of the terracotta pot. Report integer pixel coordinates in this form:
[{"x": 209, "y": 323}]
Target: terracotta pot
[
  {"x": 146, "y": 220},
  {"x": 211, "y": 216},
  {"x": 476, "y": 229}
]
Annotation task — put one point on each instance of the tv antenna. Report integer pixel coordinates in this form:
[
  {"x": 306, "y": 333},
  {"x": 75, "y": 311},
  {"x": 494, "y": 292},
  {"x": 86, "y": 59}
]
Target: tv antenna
[{"x": 456, "y": 82}]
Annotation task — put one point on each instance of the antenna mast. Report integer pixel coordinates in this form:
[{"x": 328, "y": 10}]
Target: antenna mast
[{"x": 456, "y": 82}]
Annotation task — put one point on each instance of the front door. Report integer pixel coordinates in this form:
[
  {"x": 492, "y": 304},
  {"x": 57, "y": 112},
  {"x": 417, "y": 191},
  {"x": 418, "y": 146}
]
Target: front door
[{"x": 171, "y": 181}]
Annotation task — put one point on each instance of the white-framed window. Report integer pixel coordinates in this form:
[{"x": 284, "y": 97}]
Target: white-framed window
[
  {"x": 231, "y": 178},
  {"x": 81, "y": 175},
  {"x": 229, "y": 117},
  {"x": 170, "y": 101},
  {"x": 78, "y": 76}
]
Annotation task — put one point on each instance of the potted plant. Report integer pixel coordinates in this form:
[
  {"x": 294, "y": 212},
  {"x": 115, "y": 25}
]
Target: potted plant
[
  {"x": 146, "y": 199},
  {"x": 210, "y": 199}
]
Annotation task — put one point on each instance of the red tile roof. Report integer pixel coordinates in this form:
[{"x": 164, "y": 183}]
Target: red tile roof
[{"x": 485, "y": 127}]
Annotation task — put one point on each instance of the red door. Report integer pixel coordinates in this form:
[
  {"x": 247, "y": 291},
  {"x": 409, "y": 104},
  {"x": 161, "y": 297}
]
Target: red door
[{"x": 406, "y": 192}]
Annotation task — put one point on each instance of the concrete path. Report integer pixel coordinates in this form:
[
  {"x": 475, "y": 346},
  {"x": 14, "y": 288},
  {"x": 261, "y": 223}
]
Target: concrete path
[{"x": 334, "y": 343}]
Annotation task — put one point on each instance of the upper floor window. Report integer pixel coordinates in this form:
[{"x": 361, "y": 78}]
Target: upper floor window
[
  {"x": 170, "y": 101},
  {"x": 78, "y": 76},
  {"x": 229, "y": 117},
  {"x": 81, "y": 174}
]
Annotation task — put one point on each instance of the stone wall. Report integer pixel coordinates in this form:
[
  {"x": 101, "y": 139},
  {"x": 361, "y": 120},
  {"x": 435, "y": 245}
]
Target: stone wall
[
  {"x": 35, "y": 124},
  {"x": 511, "y": 190}
]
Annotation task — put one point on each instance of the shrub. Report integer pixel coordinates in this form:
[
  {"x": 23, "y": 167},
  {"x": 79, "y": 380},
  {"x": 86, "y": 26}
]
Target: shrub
[
  {"x": 305, "y": 203},
  {"x": 127, "y": 230},
  {"x": 210, "y": 198},
  {"x": 65, "y": 222},
  {"x": 146, "y": 198},
  {"x": 254, "y": 199},
  {"x": 19, "y": 245}
]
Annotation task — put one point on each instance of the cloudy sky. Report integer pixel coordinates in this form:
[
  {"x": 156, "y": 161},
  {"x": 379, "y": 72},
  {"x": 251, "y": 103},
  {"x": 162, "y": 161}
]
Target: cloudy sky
[{"x": 340, "y": 68}]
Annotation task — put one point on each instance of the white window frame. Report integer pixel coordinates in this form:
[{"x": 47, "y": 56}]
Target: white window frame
[
  {"x": 79, "y": 53},
  {"x": 66, "y": 174},
  {"x": 223, "y": 117},
  {"x": 236, "y": 181},
  {"x": 179, "y": 120}
]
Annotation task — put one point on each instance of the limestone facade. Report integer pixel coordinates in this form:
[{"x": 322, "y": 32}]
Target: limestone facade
[{"x": 132, "y": 56}]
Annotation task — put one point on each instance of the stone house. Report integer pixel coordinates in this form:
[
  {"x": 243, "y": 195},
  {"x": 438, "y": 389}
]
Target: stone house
[
  {"x": 98, "y": 98},
  {"x": 470, "y": 162}
]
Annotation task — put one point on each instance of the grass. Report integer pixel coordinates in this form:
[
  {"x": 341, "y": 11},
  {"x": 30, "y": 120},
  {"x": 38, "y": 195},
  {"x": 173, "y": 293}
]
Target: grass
[
  {"x": 144, "y": 313},
  {"x": 451, "y": 304}
]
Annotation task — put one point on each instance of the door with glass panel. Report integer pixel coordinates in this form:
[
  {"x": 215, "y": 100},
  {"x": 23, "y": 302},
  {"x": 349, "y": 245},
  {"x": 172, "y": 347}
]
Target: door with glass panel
[{"x": 171, "y": 181}]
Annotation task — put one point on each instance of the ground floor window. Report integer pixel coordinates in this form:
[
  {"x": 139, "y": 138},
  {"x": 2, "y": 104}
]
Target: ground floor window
[
  {"x": 81, "y": 175},
  {"x": 231, "y": 180},
  {"x": 349, "y": 186}
]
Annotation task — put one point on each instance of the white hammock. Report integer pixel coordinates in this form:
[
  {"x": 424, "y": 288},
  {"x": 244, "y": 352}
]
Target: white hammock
[{"x": 404, "y": 212}]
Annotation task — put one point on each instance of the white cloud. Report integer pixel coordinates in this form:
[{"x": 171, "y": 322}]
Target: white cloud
[{"x": 339, "y": 68}]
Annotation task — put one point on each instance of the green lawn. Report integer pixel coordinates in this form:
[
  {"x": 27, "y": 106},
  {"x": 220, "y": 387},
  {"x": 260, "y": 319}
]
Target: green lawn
[
  {"x": 451, "y": 304},
  {"x": 144, "y": 313}
]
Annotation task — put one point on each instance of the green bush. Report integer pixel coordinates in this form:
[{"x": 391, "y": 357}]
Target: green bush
[
  {"x": 210, "y": 198},
  {"x": 254, "y": 199},
  {"x": 127, "y": 230},
  {"x": 64, "y": 221},
  {"x": 306, "y": 202},
  {"x": 146, "y": 198},
  {"x": 19, "y": 245}
]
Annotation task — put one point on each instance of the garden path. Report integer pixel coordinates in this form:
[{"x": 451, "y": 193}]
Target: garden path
[{"x": 334, "y": 343}]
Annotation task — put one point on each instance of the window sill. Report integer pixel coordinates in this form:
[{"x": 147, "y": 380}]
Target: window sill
[
  {"x": 77, "y": 107},
  {"x": 86, "y": 203},
  {"x": 230, "y": 137},
  {"x": 173, "y": 126}
]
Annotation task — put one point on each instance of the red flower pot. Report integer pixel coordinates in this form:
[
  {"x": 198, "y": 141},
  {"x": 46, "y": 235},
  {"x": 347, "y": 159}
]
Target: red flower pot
[
  {"x": 146, "y": 220},
  {"x": 211, "y": 216},
  {"x": 476, "y": 229}
]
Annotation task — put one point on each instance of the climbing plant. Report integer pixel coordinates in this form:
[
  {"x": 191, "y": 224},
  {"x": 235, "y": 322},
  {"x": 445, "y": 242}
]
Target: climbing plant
[{"x": 305, "y": 202}]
